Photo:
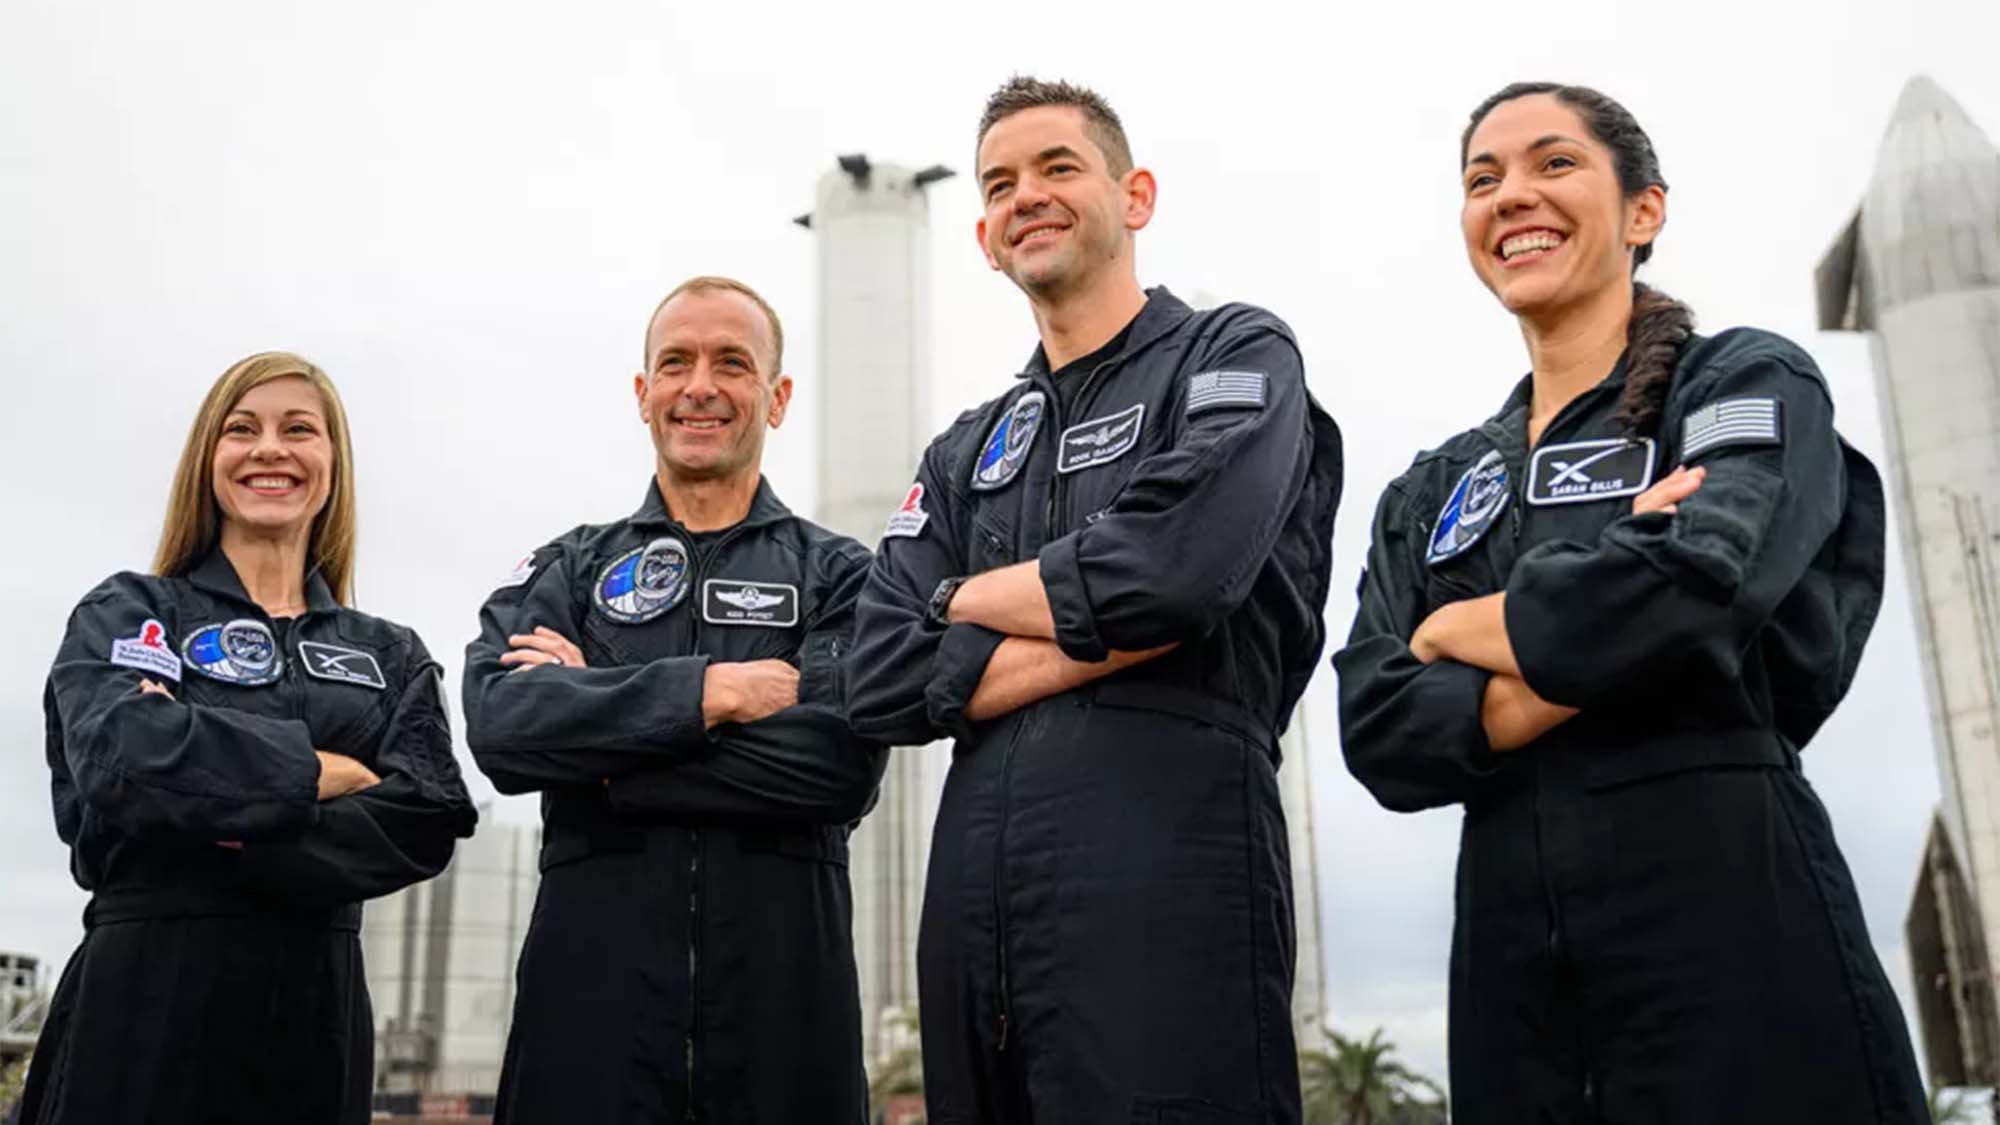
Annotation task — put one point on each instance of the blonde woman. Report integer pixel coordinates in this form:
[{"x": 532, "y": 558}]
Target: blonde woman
[{"x": 239, "y": 759}]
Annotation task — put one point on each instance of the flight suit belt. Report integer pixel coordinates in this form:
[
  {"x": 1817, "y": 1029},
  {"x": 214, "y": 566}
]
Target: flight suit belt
[
  {"x": 1186, "y": 702},
  {"x": 111, "y": 905},
  {"x": 1604, "y": 762},
  {"x": 568, "y": 843}
]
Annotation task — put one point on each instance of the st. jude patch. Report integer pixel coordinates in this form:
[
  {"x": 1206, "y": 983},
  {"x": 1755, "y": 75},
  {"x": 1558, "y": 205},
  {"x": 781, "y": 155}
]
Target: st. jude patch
[
  {"x": 148, "y": 652},
  {"x": 909, "y": 520}
]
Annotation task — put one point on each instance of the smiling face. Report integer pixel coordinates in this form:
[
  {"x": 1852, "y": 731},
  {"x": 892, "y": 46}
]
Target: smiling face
[
  {"x": 1547, "y": 225},
  {"x": 273, "y": 465},
  {"x": 1057, "y": 218},
  {"x": 709, "y": 391}
]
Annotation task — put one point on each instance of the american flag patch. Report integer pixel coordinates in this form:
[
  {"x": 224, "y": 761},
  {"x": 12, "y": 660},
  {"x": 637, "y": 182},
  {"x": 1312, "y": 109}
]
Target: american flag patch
[
  {"x": 1730, "y": 421},
  {"x": 1213, "y": 390}
]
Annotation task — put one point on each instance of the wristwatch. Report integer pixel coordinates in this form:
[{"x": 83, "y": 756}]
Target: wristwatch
[{"x": 940, "y": 604}]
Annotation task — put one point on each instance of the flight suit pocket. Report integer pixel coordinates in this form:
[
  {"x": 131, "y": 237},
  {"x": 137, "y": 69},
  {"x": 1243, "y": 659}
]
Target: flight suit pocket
[
  {"x": 821, "y": 673},
  {"x": 991, "y": 547}
]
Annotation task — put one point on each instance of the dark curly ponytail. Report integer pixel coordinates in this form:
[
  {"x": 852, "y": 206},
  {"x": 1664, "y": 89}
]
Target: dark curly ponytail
[{"x": 1659, "y": 324}]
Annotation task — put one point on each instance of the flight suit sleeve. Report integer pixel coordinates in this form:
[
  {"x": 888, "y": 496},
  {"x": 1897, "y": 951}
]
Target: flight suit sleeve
[
  {"x": 389, "y": 835},
  {"x": 803, "y": 763},
  {"x": 1178, "y": 549},
  {"x": 1657, "y": 591},
  {"x": 530, "y": 728},
  {"x": 1411, "y": 732},
  {"x": 157, "y": 767},
  {"x": 908, "y": 678}
]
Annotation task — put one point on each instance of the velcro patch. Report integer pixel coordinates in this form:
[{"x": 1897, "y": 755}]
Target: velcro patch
[
  {"x": 523, "y": 570},
  {"x": 909, "y": 520},
  {"x": 148, "y": 652},
  {"x": 1214, "y": 390},
  {"x": 1100, "y": 441},
  {"x": 341, "y": 665},
  {"x": 735, "y": 601},
  {"x": 1731, "y": 421},
  {"x": 1578, "y": 472}
]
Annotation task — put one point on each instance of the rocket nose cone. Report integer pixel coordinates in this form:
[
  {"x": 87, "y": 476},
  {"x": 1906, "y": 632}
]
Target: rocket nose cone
[
  {"x": 1935, "y": 123},
  {"x": 1925, "y": 102}
]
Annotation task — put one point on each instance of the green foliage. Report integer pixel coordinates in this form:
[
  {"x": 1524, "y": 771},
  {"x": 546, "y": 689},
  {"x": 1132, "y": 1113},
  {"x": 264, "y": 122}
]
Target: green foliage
[
  {"x": 13, "y": 1082},
  {"x": 1952, "y": 1107},
  {"x": 900, "y": 1070},
  {"x": 1355, "y": 1082}
]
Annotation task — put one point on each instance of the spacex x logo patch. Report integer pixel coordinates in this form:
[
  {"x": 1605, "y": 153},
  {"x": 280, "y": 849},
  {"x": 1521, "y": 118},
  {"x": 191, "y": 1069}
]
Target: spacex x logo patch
[
  {"x": 1577, "y": 472},
  {"x": 341, "y": 665}
]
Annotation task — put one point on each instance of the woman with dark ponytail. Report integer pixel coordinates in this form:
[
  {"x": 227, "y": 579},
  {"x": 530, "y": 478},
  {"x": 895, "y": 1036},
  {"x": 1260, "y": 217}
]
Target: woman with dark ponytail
[{"x": 1605, "y": 622}]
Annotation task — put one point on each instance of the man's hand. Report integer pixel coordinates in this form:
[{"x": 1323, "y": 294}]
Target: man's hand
[
  {"x": 148, "y": 687},
  {"x": 340, "y": 775},
  {"x": 1667, "y": 492},
  {"x": 746, "y": 691},
  {"x": 543, "y": 646}
]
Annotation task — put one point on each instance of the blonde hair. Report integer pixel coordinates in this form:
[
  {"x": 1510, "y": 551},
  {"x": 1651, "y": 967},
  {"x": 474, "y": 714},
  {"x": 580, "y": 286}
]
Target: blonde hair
[{"x": 194, "y": 520}]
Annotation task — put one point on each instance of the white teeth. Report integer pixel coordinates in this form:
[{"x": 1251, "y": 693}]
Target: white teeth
[
  {"x": 270, "y": 482},
  {"x": 1532, "y": 240},
  {"x": 701, "y": 423}
]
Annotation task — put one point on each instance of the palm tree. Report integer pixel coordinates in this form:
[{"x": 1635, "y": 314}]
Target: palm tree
[{"x": 1360, "y": 1083}]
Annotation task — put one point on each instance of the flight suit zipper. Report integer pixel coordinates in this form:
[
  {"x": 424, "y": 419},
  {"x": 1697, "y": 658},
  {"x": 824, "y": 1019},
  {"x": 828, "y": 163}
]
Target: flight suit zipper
[
  {"x": 696, "y": 565},
  {"x": 1055, "y": 515},
  {"x": 1000, "y": 878}
]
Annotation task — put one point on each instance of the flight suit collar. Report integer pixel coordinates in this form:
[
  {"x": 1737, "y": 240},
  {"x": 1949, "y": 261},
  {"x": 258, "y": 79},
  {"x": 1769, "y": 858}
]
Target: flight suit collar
[
  {"x": 1162, "y": 313},
  {"x": 1512, "y": 417},
  {"x": 217, "y": 575},
  {"x": 765, "y": 507}
]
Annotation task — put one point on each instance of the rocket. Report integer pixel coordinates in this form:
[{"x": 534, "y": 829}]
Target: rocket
[{"x": 1918, "y": 269}]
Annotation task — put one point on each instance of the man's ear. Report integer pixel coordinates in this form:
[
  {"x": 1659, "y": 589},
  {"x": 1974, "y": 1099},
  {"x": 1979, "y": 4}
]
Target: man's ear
[
  {"x": 639, "y": 394},
  {"x": 781, "y": 398},
  {"x": 1142, "y": 192},
  {"x": 979, "y": 231}
]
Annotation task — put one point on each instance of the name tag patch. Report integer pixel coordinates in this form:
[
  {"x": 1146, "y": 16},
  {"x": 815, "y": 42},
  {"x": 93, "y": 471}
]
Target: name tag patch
[
  {"x": 341, "y": 665},
  {"x": 1214, "y": 390},
  {"x": 1100, "y": 441},
  {"x": 734, "y": 601},
  {"x": 1578, "y": 472},
  {"x": 148, "y": 652},
  {"x": 1731, "y": 421}
]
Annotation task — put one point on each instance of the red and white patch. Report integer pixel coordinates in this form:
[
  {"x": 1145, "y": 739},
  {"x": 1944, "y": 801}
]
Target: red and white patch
[
  {"x": 909, "y": 520},
  {"x": 148, "y": 652},
  {"x": 523, "y": 570}
]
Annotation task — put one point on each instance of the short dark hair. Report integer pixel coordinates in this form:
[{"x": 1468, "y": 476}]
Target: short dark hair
[
  {"x": 1100, "y": 121},
  {"x": 710, "y": 283}
]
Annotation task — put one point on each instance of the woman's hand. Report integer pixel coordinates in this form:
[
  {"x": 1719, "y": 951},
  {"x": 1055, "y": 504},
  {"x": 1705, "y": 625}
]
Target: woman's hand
[
  {"x": 340, "y": 775},
  {"x": 1667, "y": 492}
]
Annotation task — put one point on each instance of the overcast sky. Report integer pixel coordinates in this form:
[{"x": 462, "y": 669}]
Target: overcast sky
[{"x": 464, "y": 212}]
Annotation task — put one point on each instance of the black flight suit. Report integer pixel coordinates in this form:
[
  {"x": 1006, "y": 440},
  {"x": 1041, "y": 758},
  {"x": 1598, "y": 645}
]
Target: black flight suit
[
  {"x": 691, "y": 954},
  {"x": 1653, "y": 921},
  {"x": 1107, "y": 924},
  {"x": 217, "y": 985}
]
